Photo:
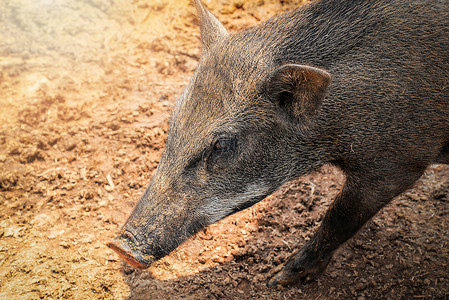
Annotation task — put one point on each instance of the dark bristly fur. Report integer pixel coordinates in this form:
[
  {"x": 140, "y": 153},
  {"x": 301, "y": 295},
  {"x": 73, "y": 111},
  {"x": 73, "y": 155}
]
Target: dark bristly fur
[{"x": 360, "y": 84}]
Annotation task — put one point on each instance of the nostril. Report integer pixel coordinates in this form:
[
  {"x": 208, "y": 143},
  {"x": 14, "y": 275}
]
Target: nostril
[{"x": 128, "y": 235}]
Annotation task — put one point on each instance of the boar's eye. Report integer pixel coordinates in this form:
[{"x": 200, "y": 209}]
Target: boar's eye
[
  {"x": 219, "y": 154},
  {"x": 224, "y": 144}
]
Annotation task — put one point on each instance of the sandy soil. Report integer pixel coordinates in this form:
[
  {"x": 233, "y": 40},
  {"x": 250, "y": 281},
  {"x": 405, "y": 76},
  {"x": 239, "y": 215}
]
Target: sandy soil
[{"x": 86, "y": 90}]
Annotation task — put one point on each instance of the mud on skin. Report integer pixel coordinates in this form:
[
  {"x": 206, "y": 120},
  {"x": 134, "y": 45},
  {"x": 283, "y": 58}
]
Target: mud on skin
[{"x": 360, "y": 85}]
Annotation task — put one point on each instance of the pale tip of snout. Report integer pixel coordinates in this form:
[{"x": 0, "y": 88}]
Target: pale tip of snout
[{"x": 131, "y": 257}]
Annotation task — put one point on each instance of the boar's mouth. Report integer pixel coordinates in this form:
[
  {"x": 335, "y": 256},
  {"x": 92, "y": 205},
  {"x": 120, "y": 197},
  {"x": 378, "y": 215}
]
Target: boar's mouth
[
  {"x": 131, "y": 249},
  {"x": 135, "y": 250},
  {"x": 123, "y": 247},
  {"x": 148, "y": 236}
]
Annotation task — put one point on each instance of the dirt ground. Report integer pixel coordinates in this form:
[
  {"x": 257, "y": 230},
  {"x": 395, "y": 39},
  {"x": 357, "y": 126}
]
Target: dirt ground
[{"x": 86, "y": 91}]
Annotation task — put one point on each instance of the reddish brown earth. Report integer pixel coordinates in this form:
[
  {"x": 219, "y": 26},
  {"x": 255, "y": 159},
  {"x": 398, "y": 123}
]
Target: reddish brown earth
[{"x": 86, "y": 90}]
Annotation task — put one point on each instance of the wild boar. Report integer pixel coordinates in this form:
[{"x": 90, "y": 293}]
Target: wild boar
[{"x": 359, "y": 84}]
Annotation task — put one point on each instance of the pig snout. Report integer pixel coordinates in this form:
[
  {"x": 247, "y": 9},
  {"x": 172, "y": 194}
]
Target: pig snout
[
  {"x": 159, "y": 223},
  {"x": 125, "y": 246}
]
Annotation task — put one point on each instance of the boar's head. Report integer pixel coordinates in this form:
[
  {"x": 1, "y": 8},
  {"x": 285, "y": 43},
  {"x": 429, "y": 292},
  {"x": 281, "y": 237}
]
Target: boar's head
[{"x": 242, "y": 128}]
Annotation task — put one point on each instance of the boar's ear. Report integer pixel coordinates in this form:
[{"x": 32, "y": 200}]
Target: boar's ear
[
  {"x": 211, "y": 29},
  {"x": 298, "y": 90}
]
